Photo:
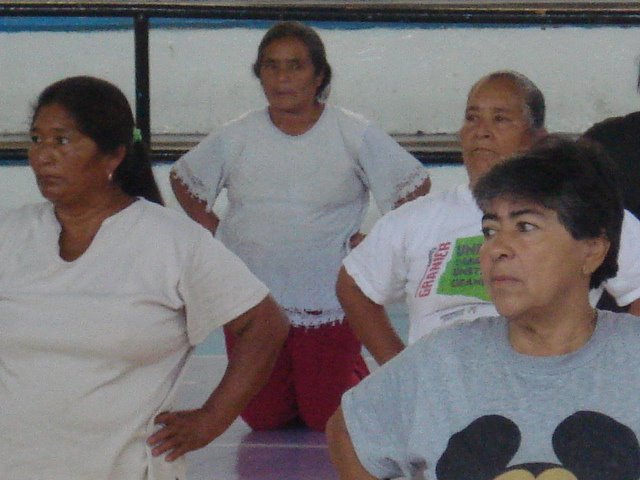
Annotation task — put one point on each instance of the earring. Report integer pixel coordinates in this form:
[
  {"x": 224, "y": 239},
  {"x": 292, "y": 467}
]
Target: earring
[{"x": 110, "y": 176}]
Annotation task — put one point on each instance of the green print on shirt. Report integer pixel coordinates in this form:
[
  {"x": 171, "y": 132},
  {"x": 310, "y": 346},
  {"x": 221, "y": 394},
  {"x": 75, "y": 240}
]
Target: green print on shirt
[{"x": 462, "y": 275}]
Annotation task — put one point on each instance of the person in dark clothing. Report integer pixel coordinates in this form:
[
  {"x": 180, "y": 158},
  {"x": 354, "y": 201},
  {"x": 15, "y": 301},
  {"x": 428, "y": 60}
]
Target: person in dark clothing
[{"x": 620, "y": 137}]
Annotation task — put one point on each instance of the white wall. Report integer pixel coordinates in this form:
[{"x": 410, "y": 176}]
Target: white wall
[{"x": 405, "y": 79}]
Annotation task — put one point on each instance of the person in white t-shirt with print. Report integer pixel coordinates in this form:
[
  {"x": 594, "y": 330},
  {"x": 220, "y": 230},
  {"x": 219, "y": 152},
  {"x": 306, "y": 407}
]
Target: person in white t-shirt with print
[{"x": 426, "y": 252}]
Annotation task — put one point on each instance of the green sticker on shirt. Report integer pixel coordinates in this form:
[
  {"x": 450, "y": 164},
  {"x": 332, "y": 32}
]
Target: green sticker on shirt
[{"x": 462, "y": 274}]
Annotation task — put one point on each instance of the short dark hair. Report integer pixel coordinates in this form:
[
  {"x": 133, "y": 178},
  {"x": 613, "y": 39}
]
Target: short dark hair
[
  {"x": 575, "y": 179},
  {"x": 531, "y": 94},
  {"x": 311, "y": 40},
  {"x": 101, "y": 111}
]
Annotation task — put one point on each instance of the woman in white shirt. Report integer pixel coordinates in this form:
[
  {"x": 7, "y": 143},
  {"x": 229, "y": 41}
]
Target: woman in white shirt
[
  {"x": 104, "y": 295},
  {"x": 298, "y": 175}
]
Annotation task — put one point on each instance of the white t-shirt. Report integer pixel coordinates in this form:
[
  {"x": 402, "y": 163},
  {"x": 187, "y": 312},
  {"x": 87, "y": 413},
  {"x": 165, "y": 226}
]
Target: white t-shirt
[
  {"x": 294, "y": 201},
  {"x": 91, "y": 350},
  {"x": 426, "y": 252}
]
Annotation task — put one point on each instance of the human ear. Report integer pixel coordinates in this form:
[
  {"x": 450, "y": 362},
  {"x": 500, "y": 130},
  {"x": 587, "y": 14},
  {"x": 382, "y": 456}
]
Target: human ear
[{"x": 595, "y": 252}]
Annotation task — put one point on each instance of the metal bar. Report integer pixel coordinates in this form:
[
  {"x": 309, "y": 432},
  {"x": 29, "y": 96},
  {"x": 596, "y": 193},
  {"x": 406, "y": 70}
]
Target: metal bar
[
  {"x": 545, "y": 13},
  {"x": 143, "y": 96}
]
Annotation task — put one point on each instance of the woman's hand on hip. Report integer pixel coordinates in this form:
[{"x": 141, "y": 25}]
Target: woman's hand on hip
[{"x": 182, "y": 432}]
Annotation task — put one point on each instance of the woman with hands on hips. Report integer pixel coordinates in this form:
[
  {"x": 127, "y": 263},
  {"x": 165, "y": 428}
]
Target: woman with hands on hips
[
  {"x": 298, "y": 175},
  {"x": 104, "y": 294}
]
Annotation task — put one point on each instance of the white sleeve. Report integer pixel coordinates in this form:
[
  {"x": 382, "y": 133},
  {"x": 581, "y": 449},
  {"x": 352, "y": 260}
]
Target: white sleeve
[
  {"x": 203, "y": 169},
  {"x": 216, "y": 287},
  {"x": 625, "y": 286},
  {"x": 389, "y": 170},
  {"x": 377, "y": 265}
]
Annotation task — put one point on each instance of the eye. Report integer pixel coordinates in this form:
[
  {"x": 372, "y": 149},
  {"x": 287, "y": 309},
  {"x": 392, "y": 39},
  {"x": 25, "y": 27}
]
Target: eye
[
  {"x": 526, "y": 227},
  {"x": 488, "y": 232},
  {"x": 470, "y": 117},
  {"x": 269, "y": 66},
  {"x": 62, "y": 140},
  {"x": 36, "y": 139}
]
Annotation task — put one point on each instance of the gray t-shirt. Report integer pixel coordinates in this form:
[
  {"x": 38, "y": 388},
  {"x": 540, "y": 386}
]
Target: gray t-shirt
[{"x": 463, "y": 405}]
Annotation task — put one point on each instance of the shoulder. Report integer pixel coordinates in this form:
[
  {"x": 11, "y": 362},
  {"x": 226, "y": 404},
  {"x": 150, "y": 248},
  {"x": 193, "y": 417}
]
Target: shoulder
[
  {"x": 619, "y": 333},
  {"x": 234, "y": 131},
  {"x": 466, "y": 337},
  {"x": 624, "y": 325},
  {"x": 166, "y": 221},
  {"x": 614, "y": 126},
  {"x": 424, "y": 210},
  {"x": 350, "y": 123},
  {"x": 247, "y": 120},
  {"x": 630, "y": 228},
  {"x": 24, "y": 214},
  {"x": 454, "y": 347},
  {"x": 346, "y": 115},
  {"x": 25, "y": 224}
]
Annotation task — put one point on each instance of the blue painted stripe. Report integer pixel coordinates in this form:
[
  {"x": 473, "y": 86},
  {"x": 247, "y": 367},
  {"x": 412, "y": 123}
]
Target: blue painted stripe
[
  {"x": 63, "y": 24},
  {"x": 88, "y": 24}
]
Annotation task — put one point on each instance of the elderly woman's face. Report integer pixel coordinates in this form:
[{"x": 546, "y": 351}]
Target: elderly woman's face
[
  {"x": 67, "y": 164},
  {"x": 495, "y": 127},
  {"x": 530, "y": 262},
  {"x": 288, "y": 76}
]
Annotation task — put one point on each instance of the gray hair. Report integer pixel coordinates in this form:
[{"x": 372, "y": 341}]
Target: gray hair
[{"x": 531, "y": 94}]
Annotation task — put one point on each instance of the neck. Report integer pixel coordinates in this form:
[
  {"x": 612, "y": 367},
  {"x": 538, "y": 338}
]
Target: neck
[
  {"x": 296, "y": 122},
  {"x": 552, "y": 333},
  {"x": 80, "y": 223},
  {"x": 92, "y": 210}
]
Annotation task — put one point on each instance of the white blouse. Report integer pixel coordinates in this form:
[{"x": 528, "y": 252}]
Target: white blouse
[
  {"x": 91, "y": 350},
  {"x": 294, "y": 201}
]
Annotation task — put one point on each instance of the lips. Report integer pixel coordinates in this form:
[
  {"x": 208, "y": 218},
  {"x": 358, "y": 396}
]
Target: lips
[
  {"x": 503, "y": 281},
  {"x": 47, "y": 181},
  {"x": 483, "y": 151}
]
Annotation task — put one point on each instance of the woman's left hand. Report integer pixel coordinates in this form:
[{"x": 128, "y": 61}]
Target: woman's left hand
[{"x": 182, "y": 432}]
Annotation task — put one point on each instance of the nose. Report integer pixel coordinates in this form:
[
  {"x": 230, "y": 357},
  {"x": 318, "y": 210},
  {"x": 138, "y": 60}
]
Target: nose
[
  {"x": 498, "y": 247},
  {"x": 283, "y": 73},
  {"x": 482, "y": 128},
  {"x": 40, "y": 153}
]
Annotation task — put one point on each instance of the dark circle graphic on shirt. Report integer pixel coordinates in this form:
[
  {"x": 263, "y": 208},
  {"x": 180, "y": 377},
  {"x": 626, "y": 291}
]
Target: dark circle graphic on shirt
[{"x": 589, "y": 445}]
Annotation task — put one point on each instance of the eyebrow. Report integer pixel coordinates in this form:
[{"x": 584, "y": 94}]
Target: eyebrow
[
  {"x": 495, "y": 109},
  {"x": 55, "y": 129},
  {"x": 515, "y": 214}
]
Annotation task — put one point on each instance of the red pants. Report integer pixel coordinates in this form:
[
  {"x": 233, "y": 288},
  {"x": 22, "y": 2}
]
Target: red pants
[{"x": 315, "y": 367}]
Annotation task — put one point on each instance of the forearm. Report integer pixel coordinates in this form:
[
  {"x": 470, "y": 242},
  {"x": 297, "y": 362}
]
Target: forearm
[
  {"x": 261, "y": 332},
  {"x": 194, "y": 207},
  {"x": 368, "y": 320},
  {"x": 634, "y": 308},
  {"x": 341, "y": 450},
  {"x": 260, "y": 336}
]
